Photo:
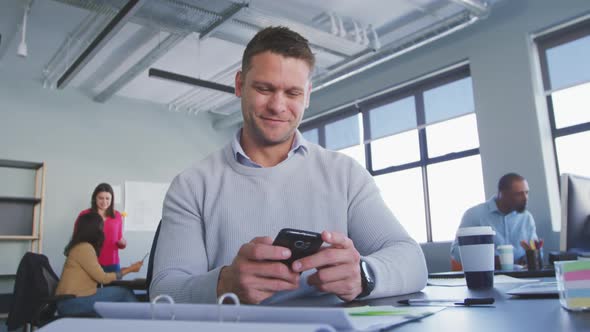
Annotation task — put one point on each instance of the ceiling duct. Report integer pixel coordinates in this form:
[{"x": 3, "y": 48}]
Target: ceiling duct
[{"x": 101, "y": 40}]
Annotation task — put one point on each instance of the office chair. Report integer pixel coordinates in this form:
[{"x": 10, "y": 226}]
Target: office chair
[
  {"x": 150, "y": 270},
  {"x": 34, "y": 299}
]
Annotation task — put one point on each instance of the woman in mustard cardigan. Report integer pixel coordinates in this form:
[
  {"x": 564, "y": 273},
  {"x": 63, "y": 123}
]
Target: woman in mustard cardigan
[{"x": 82, "y": 272}]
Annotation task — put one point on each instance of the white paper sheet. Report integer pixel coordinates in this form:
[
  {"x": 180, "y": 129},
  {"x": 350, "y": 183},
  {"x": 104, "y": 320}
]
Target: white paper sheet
[{"x": 143, "y": 205}]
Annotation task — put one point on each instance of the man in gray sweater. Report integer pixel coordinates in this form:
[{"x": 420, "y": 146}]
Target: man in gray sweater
[{"x": 220, "y": 216}]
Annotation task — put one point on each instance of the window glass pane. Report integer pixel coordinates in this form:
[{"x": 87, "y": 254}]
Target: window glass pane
[
  {"x": 568, "y": 63},
  {"x": 402, "y": 192},
  {"x": 312, "y": 135},
  {"x": 392, "y": 118},
  {"x": 572, "y": 153},
  {"x": 454, "y": 186},
  {"x": 449, "y": 100},
  {"x": 572, "y": 106},
  {"x": 357, "y": 153},
  {"x": 343, "y": 133},
  {"x": 454, "y": 135},
  {"x": 395, "y": 150}
]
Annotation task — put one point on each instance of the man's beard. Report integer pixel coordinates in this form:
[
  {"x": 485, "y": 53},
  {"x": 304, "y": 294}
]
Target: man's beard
[{"x": 520, "y": 208}]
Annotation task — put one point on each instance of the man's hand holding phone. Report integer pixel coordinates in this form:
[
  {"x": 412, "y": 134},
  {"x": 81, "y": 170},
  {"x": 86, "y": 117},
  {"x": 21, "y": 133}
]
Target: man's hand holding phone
[
  {"x": 256, "y": 273},
  {"x": 338, "y": 267}
]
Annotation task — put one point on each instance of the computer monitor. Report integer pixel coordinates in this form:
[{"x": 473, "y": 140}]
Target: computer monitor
[{"x": 575, "y": 213}]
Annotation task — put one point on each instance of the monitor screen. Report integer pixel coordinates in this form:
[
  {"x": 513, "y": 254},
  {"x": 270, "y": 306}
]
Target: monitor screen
[{"x": 575, "y": 213}]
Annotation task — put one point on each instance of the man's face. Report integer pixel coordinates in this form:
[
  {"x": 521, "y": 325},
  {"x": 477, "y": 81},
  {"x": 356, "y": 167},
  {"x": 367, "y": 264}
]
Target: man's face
[
  {"x": 517, "y": 197},
  {"x": 275, "y": 93}
]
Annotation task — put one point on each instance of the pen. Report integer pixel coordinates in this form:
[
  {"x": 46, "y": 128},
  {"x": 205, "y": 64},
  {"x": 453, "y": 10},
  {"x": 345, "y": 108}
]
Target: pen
[{"x": 466, "y": 302}]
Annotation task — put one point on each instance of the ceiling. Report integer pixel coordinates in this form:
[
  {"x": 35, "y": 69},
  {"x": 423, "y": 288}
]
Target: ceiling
[{"x": 205, "y": 40}]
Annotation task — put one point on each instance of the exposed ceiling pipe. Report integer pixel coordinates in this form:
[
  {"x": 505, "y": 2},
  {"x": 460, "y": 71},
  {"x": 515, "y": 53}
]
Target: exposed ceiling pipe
[
  {"x": 357, "y": 32},
  {"x": 368, "y": 60},
  {"x": 22, "y": 47},
  {"x": 226, "y": 16},
  {"x": 333, "y": 25},
  {"x": 375, "y": 42},
  {"x": 342, "y": 31},
  {"x": 114, "y": 26},
  {"x": 139, "y": 67},
  {"x": 478, "y": 8},
  {"x": 72, "y": 41}
]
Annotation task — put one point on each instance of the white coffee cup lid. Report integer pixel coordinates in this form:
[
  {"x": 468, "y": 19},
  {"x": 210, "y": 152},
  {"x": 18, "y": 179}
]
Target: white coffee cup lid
[
  {"x": 505, "y": 246},
  {"x": 479, "y": 230}
]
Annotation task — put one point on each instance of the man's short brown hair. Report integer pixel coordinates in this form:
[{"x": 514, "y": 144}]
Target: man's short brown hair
[{"x": 279, "y": 40}]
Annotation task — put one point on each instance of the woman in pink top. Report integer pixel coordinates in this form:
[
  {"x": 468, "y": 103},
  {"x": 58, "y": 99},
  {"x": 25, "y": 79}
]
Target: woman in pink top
[{"x": 103, "y": 203}]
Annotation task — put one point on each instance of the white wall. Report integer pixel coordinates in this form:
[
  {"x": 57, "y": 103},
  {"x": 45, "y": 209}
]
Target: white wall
[
  {"x": 84, "y": 143},
  {"x": 511, "y": 113}
]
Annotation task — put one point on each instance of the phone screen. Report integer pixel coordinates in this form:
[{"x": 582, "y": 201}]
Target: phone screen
[{"x": 301, "y": 243}]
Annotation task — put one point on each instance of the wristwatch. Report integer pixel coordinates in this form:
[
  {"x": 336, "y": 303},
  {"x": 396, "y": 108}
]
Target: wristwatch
[{"x": 367, "y": 281}]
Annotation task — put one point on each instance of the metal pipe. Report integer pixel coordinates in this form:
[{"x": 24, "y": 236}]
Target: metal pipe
[
  {"x": 328, "y": 79},
  {"x": 100, "y": 41}
]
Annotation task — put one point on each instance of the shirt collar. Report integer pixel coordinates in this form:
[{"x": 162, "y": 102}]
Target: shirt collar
[
  {"x": 492, "y": 205},
  {"x": 299, "y": 144}
]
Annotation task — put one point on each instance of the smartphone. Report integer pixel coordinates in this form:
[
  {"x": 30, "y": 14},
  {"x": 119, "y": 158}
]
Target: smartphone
[{"x": 301, "y": 243}]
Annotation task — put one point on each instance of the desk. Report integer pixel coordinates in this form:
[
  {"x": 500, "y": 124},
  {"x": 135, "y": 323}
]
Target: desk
[
  {"x": 514, "y": 273},
  {"x": 508, "y": 314}
]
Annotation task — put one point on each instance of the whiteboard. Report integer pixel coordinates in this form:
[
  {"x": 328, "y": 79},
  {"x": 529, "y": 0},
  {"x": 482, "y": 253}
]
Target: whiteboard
[{"x": 143, "y": 205}]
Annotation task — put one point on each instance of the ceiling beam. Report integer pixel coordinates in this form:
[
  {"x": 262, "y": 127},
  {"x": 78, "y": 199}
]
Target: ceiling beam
[
  {"x": 114, "y": 26},
  {"x": 226, "y": 16},
  {"x": 149, "y": 59}
]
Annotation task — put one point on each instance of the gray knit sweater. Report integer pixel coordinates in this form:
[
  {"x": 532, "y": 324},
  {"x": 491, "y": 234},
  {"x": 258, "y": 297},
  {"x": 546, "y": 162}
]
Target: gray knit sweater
[{"x": 212, "y": 209}]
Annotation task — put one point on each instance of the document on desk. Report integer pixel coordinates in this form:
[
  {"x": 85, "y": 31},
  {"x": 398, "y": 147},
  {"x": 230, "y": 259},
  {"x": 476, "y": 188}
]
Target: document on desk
[
  {"x": 101, "y": 325},
  {"x": 340, "y": 319},
  {"x": 456, "y": 282}
]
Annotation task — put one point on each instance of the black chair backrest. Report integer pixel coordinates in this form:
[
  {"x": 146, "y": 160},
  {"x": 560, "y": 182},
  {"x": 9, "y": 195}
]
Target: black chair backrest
[
  {"x": 150, "y": 270},
  {"x": 35, "y": 281}
]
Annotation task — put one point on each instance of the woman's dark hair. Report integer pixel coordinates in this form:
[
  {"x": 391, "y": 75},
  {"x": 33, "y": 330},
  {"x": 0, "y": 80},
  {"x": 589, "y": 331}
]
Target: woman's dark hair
[
  {"x": 88, "y": 229},
  {"x": 103, "y": 187}
]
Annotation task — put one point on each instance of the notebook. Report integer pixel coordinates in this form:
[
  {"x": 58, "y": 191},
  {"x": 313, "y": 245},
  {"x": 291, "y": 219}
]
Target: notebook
[
  {"x": 341, "y": 319},
  {"x": 546, "y": 288},
  {"x": 102, "y": 325}
]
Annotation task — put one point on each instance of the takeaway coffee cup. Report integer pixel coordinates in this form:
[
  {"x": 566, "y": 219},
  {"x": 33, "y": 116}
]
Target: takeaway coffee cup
[
  {"x": 476, "y": 247},
  {"x": 506, "y": 253}
]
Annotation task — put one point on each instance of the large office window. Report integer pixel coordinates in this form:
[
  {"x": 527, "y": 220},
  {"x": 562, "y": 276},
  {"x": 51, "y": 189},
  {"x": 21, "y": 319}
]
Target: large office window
[
  {"x": 565, "y": 67},
  {"x": 421, "y": 145}
]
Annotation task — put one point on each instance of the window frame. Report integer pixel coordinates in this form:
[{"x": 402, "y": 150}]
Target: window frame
[
  {"x": 417, "y": 91},
  {"x": 545, "y": 43}
]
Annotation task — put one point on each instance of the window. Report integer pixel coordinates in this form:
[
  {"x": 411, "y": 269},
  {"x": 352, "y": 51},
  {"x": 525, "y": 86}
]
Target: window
[
  {"x": 565, "y": 67},
  {"x": 342, "y": 134},
  {"x": 421, "y": 145}
]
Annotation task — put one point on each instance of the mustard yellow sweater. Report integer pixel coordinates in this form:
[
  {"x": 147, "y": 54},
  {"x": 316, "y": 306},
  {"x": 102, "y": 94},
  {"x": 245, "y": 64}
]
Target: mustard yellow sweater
[{"x": 82, "y": 272}]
